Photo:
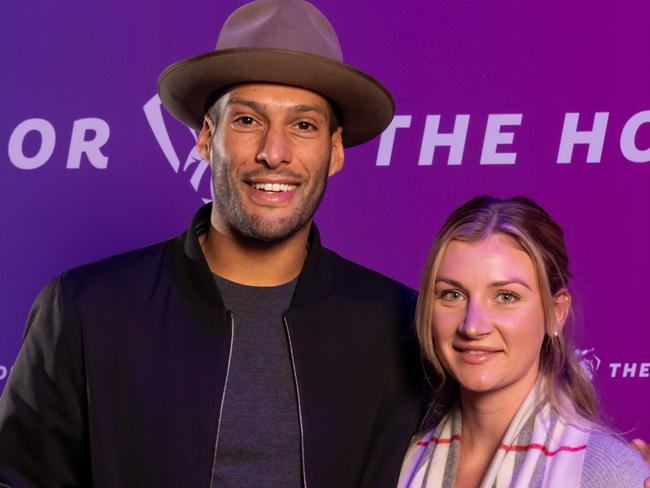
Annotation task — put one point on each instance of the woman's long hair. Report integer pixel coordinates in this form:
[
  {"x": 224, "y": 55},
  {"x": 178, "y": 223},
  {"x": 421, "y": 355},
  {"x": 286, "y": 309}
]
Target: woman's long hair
[{"x": 567, "y": 386}]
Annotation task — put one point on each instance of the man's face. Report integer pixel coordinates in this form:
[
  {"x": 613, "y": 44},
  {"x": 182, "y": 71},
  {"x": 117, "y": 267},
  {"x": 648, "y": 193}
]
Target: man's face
[{"x": 271, "y": 152}]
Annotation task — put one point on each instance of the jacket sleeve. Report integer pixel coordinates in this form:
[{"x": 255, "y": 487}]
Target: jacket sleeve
[
  {"x": 43, "y": 434},
  {"x": 401, "y": 408}
]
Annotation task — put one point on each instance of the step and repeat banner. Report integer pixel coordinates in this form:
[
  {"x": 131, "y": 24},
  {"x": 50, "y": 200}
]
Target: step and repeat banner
[{"x": 545, "y": 99}]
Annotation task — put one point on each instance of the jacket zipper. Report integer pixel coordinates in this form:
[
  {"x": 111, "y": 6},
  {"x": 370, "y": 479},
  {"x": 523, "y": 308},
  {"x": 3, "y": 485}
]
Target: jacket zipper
[
  {"x": 295, "y": 380},
  {"x": 223, "y": 397}
]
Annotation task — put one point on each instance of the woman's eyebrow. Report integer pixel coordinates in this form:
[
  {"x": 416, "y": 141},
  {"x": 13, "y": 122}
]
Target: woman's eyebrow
[
  {"x": 454, "y": 283},
  {"x": 494, "y": 284},
  {"x": 510, "y": 281}
]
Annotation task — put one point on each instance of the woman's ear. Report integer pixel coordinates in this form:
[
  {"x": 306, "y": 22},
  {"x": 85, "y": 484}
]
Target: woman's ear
[{"x": 561, "y": 308}]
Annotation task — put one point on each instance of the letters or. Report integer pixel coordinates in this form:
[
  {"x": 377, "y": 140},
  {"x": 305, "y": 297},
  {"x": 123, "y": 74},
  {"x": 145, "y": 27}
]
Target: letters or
[{"x": 88, "y": 137}]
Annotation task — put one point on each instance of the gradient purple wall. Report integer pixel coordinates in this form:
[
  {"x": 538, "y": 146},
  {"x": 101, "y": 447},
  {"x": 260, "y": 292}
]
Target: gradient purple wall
[{"x": 81, "y": 60}]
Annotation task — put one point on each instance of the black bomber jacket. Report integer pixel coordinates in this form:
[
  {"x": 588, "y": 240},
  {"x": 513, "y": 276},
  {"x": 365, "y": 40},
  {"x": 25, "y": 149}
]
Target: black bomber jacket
[{"x": 120, "y": 377}]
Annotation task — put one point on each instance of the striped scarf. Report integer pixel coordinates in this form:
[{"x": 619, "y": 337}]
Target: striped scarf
[{"x": 539, "y": 449}]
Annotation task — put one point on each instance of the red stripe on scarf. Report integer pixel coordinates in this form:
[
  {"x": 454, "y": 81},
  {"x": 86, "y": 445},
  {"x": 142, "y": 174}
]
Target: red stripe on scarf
[
  {"x": 439, "y": 440},
  {"x": 507, "y": 448},
  {"x": 542, "y": 448}
]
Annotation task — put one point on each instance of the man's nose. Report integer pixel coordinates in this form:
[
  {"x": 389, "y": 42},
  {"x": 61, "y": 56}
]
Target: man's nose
[
  {"x": 274, "y": 148},
  {"x": 477, "y": 321}
]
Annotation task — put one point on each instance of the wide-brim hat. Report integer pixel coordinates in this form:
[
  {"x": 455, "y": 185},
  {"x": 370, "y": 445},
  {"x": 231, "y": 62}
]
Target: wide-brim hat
[{"x": 288, "y": 42}]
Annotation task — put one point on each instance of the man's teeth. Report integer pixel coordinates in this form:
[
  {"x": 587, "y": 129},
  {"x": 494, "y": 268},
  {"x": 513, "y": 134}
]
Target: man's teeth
[{"x": 273, "y": 186}]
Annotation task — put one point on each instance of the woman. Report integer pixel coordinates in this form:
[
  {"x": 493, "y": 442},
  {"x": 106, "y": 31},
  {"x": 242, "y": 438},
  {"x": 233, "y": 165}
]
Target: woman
[{"x": 513, "y": 407}]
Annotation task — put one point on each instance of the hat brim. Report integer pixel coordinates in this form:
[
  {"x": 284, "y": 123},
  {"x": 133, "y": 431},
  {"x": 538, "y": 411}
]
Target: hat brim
[{"x": 364, "y": 106}]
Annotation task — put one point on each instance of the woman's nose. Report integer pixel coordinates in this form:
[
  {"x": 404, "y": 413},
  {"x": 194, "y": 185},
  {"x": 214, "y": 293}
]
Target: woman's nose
[{"x": 476, "y": 322}]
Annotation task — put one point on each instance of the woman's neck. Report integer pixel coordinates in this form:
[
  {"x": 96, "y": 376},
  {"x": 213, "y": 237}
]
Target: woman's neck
[
  {"x": 486, "y": 415},
  {"x": 485, "y": 420}
]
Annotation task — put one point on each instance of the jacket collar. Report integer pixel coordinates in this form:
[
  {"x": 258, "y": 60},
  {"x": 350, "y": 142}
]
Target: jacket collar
[{"x": 314, "y": 284}]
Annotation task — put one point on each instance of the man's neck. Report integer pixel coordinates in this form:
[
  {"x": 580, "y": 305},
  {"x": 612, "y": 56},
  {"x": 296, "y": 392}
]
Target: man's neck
[{"x": 255, "y": 263}]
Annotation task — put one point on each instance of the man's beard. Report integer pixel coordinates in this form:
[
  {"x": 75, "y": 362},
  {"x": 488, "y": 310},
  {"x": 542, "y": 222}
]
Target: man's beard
[{"x": 228, "y": 200}]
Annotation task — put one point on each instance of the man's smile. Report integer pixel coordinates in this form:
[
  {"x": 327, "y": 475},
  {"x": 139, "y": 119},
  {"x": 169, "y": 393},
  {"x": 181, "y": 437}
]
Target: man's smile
[
  {"x": 274, "y": 187},
  {"x": 272, "y": 191}
]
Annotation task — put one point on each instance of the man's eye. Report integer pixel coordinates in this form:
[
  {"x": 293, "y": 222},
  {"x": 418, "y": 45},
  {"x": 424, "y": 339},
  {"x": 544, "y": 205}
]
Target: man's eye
[
  {"x": 245, "y": 120},
  {"x": 305, "y": 126}
]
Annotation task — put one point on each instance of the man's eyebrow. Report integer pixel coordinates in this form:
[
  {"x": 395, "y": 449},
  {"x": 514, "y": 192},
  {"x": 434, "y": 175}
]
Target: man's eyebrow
[
  {"x": 258, "y": 107},
  {"x": 248, "y": 103},
  {"x": 300, "y": 109}
]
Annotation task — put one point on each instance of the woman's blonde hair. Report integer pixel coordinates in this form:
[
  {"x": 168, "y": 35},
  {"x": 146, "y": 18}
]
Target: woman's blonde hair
[{"x": 537, "y": 234}]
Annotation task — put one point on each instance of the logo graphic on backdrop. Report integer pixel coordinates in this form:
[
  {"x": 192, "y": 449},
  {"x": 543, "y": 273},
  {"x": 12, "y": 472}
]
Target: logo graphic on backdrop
[
  {"x": 4, "y": 372},
  {"x": 588, "y": 361},
  {"x": 194, "y": 166}
]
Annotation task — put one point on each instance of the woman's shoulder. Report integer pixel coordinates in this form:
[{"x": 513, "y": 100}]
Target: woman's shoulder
[{"x": 609, "y": 461}]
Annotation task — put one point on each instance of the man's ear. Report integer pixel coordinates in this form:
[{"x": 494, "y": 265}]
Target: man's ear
[
  {"x": 561, "y": 308},
  {"x": 204, "y": 139},
  {"x": 337, "y": 158}
]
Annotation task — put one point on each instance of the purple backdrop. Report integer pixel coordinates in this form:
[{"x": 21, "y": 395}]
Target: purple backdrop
[{"x": 91, "y": 166}]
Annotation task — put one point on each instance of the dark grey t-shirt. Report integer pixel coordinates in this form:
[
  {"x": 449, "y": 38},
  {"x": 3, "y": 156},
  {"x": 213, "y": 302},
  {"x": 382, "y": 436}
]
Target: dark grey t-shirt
[{"x": 259, "y": 439}]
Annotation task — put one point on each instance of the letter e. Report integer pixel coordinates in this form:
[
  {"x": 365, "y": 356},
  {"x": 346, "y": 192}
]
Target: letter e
[
  {"x": 494, "y": 137},
  {"x": 644, "y": 372}
]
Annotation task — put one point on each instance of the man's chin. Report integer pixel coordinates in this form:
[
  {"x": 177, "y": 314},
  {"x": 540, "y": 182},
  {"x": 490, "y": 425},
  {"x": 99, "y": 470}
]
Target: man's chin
[{"x": 270, "y": 230}]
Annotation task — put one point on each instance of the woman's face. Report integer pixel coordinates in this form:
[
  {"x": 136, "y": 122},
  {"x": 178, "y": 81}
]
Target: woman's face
[{"x": 488, "y": 316}]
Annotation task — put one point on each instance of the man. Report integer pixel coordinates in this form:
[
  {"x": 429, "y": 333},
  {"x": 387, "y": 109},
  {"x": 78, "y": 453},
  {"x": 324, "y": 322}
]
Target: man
[{"x": 241, "y": 353}]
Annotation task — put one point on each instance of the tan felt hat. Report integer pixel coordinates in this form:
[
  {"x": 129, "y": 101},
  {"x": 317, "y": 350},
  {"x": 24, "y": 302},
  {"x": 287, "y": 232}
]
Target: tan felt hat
[{"x": 287, "y": 42}]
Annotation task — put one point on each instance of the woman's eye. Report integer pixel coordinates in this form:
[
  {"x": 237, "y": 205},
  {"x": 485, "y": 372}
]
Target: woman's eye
[
  {"x": 451, "y": 295},
  {"x": 507, "y": 297}
]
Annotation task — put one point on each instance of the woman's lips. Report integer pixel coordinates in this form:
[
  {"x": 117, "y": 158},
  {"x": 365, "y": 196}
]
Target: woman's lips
[{"x": 476, "y": 355}]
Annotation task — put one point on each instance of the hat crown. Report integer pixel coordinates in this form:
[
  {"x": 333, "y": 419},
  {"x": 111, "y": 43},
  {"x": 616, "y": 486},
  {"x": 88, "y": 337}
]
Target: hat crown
[{"x": 293, "y": 25}]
